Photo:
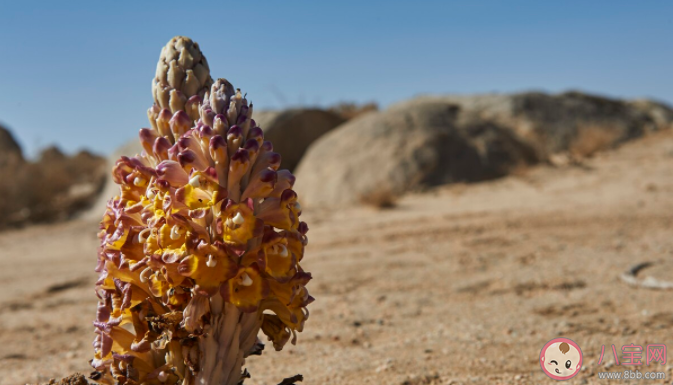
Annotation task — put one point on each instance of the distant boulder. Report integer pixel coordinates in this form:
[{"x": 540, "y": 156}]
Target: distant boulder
[
  {"x": 10, "y": 151},
  {"x": 54, "y": 187},
  {"x": 351, "y": 110},
  {"x": 661, "y": 114},
  {"x": 292, "y": 131},
  {"x": 431, "y": 141},
  {"x": 555, "y": 123},
  {"x": 52, "y": 154},
  {"x": 403, "y": 148}
]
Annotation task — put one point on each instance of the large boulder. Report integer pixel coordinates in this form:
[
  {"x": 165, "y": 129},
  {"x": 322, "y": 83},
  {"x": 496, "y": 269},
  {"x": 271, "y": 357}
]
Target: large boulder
[
  {"x": 555, "y": 123},
  {"x": 403, "y": 148},
  {"x": 292, "y": 131},
  {"x": 430, "y": 141}
]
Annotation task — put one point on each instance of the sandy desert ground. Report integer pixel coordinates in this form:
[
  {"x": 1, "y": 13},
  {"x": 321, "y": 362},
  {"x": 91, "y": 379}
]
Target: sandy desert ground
[{"x": 459, "y": 285}]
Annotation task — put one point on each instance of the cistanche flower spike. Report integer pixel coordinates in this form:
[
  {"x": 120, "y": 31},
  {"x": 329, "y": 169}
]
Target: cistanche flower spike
[{"x": 202, "y": 247}]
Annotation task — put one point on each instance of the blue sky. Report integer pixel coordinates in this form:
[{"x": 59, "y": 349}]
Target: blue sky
[{"x": 78, "y": 74}]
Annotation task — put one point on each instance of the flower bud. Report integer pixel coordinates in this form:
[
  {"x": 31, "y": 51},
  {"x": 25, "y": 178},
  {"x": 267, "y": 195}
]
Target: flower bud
[
  {"x": 163, "y": 124},
  {"x": 179, "y": 124}
]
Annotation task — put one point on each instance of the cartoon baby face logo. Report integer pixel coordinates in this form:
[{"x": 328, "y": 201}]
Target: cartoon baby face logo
[{"x": 561, "y": 359}]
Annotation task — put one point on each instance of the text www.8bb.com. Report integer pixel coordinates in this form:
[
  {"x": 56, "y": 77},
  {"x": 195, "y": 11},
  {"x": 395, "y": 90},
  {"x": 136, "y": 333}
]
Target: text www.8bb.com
[{"x": 632, "y": 375}]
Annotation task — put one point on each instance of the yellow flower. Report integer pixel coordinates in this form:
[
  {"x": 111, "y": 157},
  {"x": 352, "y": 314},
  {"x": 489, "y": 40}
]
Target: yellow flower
[
  {"x": 280, "y": 259},
  {"x": 209, "y": 266},
  {"x": 276, "y": 330},
  {"x": 282, "y": 212},
  {"x": 246, "y": 289},
  {"x": 238, "y": 225},
  {"x": 194, "y": 197},
  {"x": 171, "y": 241},
  {"x": 289, "y": 300}
]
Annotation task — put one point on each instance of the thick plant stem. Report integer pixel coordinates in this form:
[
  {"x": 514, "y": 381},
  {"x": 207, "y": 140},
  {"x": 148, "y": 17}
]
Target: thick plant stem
[{"x": 227, "y": 340}]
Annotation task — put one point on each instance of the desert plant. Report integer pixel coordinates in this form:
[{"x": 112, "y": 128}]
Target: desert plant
[{"x": 201, "y": 248}]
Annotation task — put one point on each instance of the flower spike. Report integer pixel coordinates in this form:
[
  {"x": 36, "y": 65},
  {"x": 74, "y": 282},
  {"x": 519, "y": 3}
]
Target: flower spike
[{"x": 202, "y": 247}]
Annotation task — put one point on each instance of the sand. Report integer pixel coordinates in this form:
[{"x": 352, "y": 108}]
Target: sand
[{"x": 462, "y": 284}]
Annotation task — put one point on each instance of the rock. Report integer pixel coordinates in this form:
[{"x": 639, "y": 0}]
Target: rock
[
  {"x": 54, "y": 187},
  {"x": 350, "y": 110},
  {"x": 52, "y": 154},
  {"x": 554, "y": 123},
  {"x": 73, "y": 379},
  {"x": 10, "y": 151},
  {"x": 409, "y": 146},
  {"x": 434, "y": 140},
  {"x": 292, "y": 131},
  {"x": 60, "y": 186},
  {"x": 661, "y": 115}
]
